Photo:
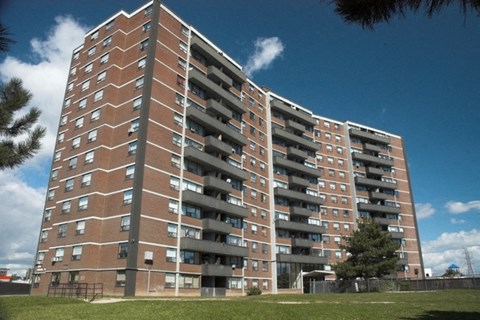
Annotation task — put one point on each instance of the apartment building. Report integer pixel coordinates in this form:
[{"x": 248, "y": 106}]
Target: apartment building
[{"x": 174, "y": 174}]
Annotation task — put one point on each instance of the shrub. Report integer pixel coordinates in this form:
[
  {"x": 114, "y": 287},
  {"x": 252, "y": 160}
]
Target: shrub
[{"x": 254, "y": 291}]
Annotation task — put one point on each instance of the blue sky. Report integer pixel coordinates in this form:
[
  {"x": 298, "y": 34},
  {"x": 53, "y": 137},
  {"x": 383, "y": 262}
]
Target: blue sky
[{"x": 415, "y": 77}]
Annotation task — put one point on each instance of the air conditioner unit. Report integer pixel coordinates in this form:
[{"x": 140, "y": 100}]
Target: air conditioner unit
[
  {"x": 229, "y": 180},
  {"x": 131, "y": 130},
  {"x": 56, "y": 259}
]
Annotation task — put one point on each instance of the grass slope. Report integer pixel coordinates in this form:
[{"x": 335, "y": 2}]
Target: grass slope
[{"x": 452, "y": 304}]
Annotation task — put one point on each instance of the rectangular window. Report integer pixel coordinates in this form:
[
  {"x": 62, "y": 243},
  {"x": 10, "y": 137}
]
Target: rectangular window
[
  {"x": 69, "y": 184},
  {"x": 125, "y": 223},
  {"x": 85, "y": 85},
  {"x": 144, "y": 45},
  {"x": 92, "y": 135},
  {"x": 51, "y": 194},
  {"x": 172, "y": 230},
  {"x": 110, "y": 24},
  {"x": 86, "y": 179},
  {"x": 134, "y": 125},
  {"x": 122, "y": 250},
  {"x": 183, "y": 46},
  {"x": 101, "y": 76},
  {"x": 77, "y": 252},
  {"x": 79, "y": 123},
  {"x": 127, "y": 196},
  {"x": 82, "y": 104},
  {"x": 130, "y": 172},
  {"x": 171, "y": 255},
  {"x": 91, "y": 51},
  {"x": 177, "y": 139},
  {"x": 142, "y": 63},
  {"x": 57, "y": 156},
  {"x": 89, "y": 68},
  {"x": 132, "y": 148},
  {"x": 64, "y": 120},
  {"x": 184, "y": 30},
  {"x": 76, "y": 142},
  {"x": 139, "y": 83},
  {"x": 107, "y": 41},
  {"x": 172, "y": 206},
  {"x": 104, "y": 58},
  {"x": 89, "y": 156},
  {"x": 95, "y": 115},
  {"x": 62, "y": 230},
  {"x": 66, "y": 205},
  {"x": 61, "y": 137},
  {"x": 94, "y": 36},
  {"x": 83, "y": 203},
  {"x": 120, "y": 279},
  {"x": 80, "y": 227}
]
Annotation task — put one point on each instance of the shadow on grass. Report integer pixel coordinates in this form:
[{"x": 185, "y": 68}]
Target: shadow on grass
[{"x": 450, "y": 315}]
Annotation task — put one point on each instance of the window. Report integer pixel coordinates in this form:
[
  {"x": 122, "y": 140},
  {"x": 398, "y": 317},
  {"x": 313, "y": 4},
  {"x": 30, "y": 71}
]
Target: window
[
  {"x": 144, "y": 45},
  {"x": 85, "y": 85},
  {"x": 134, "y": 125},
  {"x": 254, "y": 246},
  {"x": 54, "y": 175},
  {"x": 61, "y": 137},
  {"x": 57, "y": 156},
  {"x": 179, "y": 99},
  {"x": 132, "y": 148},
  {"x": 91, "y": 51},
  {"x": 69, "y": 184},
  {"x": 183, "y": 46},
  {"x": 182, "y": 64},
  {"x": 73, "y": 71},
  {"x": 104, "y": 58},
  {"x": 51, "y": 194},
  {"x": 72, "y": 163},
  {"x": 89, "y": 68},
  {"x": 77, "y": 252},
  {"x": 127, "y": 196},
  {"x": 137, "y": 103},
  {"x": 83, "y": 203},
  {"x": 139, "y": 83},
  {"x": 47, "y": 215},
  {"x": 169, "y": 280},
  {"x": 174, "y": 183},
  {"x": 180, "y": 82},
  {"x": 107, "y": 41},
  {"x": 184, "y": 30},
  {"x": 98, "y": 96},
  {"x": 142, "y": 63},
  {"x": 79, "y": 123},
  {"x": 171, "y": 255},
  {"x": 80, "y": 227},
  {"x": 175, "y": 161},
  {"x": 109, "y": 25},
  {"x": 255, "y": 265},
  {"x": 89, "y": 156},
  {"x": 146, "y": 27},
  {"x": 69, "y": 88},
  {"x": 172, "y": 206},
  {"x": 172, "y": 230},
  {"x": 64, "y": 120},
  {"x": 66, "y": 205},
  {"x": 130, "y": 172},
  {"x": 44, "y": 236},
  {"x": 59, "y": 254},
  {"x": 82, "y": 104},
  {"x": 148, "y": 11},
  {"x": 177, "y": 139},
  {"x": 94, "y": 35},
  {"x": 101, "y": 76},
  {"x": 265, "y": 266},
  {"x": 125, "y": 223},
  {"x": 76, "y": 142},
  {"x": 95, "y": 115},
  {"x": 86, "y": 179},
  {"x": 92, "y": 135},
  {"x": 122, "y": 250},
  {"x": 120, "y": 278}
]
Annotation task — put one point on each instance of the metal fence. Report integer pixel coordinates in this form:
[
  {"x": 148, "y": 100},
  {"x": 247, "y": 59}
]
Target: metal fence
[
  {"x": 384, "y": 285},
  {"x": 87, "y": 291}
]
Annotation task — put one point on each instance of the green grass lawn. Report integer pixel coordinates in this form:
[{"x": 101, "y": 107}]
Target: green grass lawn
[{"x": 451, "y": 304}]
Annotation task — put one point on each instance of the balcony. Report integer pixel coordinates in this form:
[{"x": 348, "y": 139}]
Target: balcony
[
  {"x": 215, "y": 108},
  {"x": 216, "y": 75},
  {"x": 290, "y": 124},
  {"x": 217, "y": 59},
  {"x": 297, "y": 181},
  {"x": 211, "y": 225},
  {"x": 296, "y": 167},
  {"x": 212, "y": 124},
  {"x": 298, "y": 211},
  {"x": 217, "y": 184},
  {"x": 297, "y": 226},
  {"x": 294, "y": 139},
  {"x": 369, "y": 136},
  {"x": 366, "y": 158},
  {"x": 212, "y": 144},
  {"x": 383, "y": 221},
  {"x": 302, "y": 243},
  {"x": 207, "y": 246},
  {"x": 377, "y": 195},
  {"x": 214, "y": 90},
  {"x": 297, "y": 196},
  {"x": 375, "y": 183},
  {"x": 295, "y": 153},
  {"x": 214, "y": 164},
  {"x": 377, "y": 208},
  {"x": 374, "y": 171},
  {"x": 212, "y": 204},
  {"x": 217, "y": 270},
  {"x": 372, "y": 147},
  {"x": 293, "y": 113},
  {"x": 293, "y": 258}
]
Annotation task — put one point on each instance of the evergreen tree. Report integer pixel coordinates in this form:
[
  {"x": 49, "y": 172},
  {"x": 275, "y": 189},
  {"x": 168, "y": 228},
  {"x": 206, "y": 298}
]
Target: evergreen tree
[
  {"x": 13, "y": 151},
  {"x": 372, "y": 252},
  {"x": 5, "y": 41},
  {"x": 370, "y": 12}
]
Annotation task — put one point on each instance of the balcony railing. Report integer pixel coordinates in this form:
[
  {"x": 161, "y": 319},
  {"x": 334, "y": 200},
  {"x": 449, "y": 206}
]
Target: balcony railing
[
  {"x": 377, "y": 208},
  {"x": 307, "y": 259},
  {"x": 369, "y": 136},
  {"x": 375, "y": 183},
  {"x": 297, "y": 196},
  {"x": 293, "y": 113},
  {"x": 296, "y": 167},
  {"x": 213, "y": 204},
  {"x": 294, "y": 139},
  {"x": 297, "y": 226},
  {"x": 207, "y": 246}
]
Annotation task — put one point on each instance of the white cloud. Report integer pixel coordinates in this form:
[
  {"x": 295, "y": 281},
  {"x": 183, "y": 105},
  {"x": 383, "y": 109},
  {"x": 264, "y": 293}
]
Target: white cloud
[
  {"x": 47, "y": 76},
  {"x": 20, "y": 221},
  {"x": 22, "y": 205},
  {"x": 450, "y": 248},
  {"x": 457, "y": 221},
  {"x": 266, "y": 50},
  {"x": 457, "y": 207},
  {"x": 424, "y": 210}
]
